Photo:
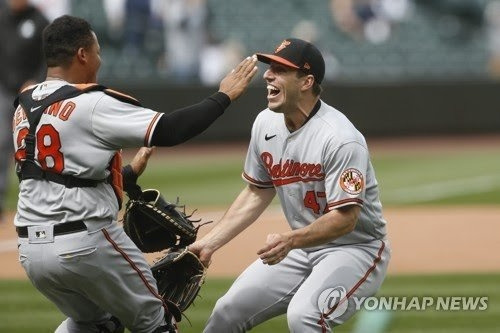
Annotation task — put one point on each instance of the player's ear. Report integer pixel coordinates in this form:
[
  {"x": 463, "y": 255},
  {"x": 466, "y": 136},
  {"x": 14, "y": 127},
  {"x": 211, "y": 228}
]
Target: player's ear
[
  {"x": 308, "y": 82},
  {"x": 81, "y": 55}
]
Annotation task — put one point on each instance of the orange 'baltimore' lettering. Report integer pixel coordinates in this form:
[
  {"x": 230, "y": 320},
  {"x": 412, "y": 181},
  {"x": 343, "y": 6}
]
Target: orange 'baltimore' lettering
[{"x": 291, "y": 171}]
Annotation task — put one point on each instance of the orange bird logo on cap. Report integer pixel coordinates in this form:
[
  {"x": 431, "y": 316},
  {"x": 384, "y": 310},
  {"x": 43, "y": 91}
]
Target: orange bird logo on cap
[{"x": 283, "y": 44}]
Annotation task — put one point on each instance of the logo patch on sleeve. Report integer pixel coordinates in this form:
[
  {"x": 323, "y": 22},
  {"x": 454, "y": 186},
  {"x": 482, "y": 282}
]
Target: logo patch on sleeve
[{"x": 351, "y": 181}]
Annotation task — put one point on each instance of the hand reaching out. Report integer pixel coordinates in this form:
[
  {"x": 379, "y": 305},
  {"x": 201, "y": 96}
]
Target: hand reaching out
[
  {"x": 235, "y": 83},
  {"x": 202, "y": 251}
]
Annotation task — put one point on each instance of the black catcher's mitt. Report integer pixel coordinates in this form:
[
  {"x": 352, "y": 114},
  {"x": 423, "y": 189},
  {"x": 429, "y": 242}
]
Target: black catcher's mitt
[
  {"x": 179, "y": 275},
  {"x": 155, "y": 224}
]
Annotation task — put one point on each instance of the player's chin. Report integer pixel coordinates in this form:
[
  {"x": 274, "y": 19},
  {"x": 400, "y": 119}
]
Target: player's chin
[{"x": 274, "y": 106}]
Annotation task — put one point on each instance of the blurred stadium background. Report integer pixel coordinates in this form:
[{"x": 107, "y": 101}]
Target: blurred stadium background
[
  {"x": 420, "y": 78},
  {"x": 395, "y": 67}
]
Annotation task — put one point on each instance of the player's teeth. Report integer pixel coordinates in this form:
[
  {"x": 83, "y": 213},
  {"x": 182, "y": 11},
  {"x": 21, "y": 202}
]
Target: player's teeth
[{"x": 273, "y": 89}]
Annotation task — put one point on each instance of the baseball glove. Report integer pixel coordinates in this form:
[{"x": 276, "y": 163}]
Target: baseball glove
[
  {"x": 155, "y": 224},
  {"x": 179, "y": 275}
]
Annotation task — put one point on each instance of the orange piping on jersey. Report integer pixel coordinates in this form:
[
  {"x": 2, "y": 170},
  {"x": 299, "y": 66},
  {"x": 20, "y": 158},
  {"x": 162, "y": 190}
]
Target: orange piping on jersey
[
  {"x": 353, "y": 289},
  {"x": 150, "y": 127},
  {"x": 120, "y": 94},
  {"x": 83, "y": 86},
  {"x": 342, "y": 202},
  {"x": 134, "y": 267},
  {"x": 254, "y": 181},
  {"x": 286, "y": 181}
]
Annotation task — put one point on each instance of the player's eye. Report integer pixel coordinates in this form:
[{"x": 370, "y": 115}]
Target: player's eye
[{"x": 276, "y": 68}]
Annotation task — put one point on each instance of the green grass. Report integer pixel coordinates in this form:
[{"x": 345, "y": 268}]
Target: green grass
[
  {"x": 23, "y": 309},
  {"x": 407, "y": 178},
  {"x": 467, "y": 177}
]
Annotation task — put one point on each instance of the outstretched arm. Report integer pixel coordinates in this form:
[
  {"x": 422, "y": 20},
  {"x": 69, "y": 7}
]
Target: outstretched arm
[
  {"x": 186, "y": 123},
  {"x": 245, "y": 209}
]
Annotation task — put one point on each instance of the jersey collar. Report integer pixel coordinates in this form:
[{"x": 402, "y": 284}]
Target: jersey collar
[{"x": 313, "y": 112}]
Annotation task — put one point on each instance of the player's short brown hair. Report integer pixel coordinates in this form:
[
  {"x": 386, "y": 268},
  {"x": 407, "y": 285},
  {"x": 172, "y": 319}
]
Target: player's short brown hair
[{"x": 63, "y": 37}]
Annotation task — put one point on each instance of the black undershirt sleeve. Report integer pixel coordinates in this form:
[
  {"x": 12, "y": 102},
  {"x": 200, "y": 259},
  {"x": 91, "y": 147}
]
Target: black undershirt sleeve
[
  {"x": 130, "y": 185},
  {"x": 184, "y": 124}
]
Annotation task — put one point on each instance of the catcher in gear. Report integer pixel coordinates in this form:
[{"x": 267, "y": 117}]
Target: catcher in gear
[{"x": 155, "y": 224}]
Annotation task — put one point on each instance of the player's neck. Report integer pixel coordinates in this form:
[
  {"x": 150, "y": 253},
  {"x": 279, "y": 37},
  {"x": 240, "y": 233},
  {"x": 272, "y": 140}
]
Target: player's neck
[
  {"x": 66, "y": 74},
  {"x": 298, "y": 117}
]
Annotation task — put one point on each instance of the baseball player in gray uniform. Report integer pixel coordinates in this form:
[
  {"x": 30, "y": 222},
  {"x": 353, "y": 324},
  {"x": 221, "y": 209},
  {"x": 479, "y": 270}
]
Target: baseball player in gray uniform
[
  {"x": 68, "y": 132},
  {"x": 318, "y": 163}
]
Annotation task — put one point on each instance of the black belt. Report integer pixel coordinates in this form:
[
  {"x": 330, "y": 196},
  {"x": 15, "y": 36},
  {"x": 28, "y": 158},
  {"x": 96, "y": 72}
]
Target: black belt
[{"x": 59, "y": 229}]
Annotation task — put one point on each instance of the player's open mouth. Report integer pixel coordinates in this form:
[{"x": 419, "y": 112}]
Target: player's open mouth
[{"x": 272, "y": 91}]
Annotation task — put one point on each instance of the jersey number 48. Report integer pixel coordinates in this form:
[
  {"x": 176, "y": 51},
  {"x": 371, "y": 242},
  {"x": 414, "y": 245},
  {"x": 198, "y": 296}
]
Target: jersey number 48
[{"x": 48, "y": 144}]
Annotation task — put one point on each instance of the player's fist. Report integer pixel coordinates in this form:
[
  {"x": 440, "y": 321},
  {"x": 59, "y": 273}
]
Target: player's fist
[
  {"x": 276, "y": 249},
  {"x": 235, "y": 83}
]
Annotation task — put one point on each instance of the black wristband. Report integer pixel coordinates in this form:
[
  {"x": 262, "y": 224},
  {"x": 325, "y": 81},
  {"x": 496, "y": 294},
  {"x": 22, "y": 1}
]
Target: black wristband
[{"x": 130, "y": 186}]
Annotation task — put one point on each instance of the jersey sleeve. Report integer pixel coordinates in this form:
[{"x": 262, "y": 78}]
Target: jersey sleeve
[
  {"x": 254, "y": 171},
  {"x": 345, "y": 175},
  {"x": 123, "y": 125}
]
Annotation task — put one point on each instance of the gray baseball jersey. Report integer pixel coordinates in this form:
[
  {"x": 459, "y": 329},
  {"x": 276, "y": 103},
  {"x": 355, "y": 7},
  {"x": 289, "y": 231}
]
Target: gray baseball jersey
[
  {"x": 97, "y": 272},
  {"x": 322, "y": 166},
  {"x": 81, "y": 136}
]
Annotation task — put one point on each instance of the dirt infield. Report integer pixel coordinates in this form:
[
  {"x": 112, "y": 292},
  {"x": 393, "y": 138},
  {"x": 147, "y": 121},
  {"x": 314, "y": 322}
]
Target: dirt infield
[{"x": 423, "y": 240}]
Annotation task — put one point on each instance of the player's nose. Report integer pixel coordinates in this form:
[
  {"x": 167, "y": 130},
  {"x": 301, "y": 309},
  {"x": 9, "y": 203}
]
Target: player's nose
[{"x": 268, "y": 75}]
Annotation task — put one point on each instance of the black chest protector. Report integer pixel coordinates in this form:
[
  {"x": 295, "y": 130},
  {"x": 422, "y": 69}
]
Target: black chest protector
[{"x": 28, "y": 169}]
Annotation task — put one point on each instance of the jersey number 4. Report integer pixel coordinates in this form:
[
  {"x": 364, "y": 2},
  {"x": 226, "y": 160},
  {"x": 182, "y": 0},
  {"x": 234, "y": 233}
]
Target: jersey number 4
[
  {"x": 311, "y": 201},
  {"x": 48, "y": 144}
]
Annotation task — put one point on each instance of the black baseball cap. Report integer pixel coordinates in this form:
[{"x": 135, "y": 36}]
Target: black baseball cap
[{"x": 299, "y": 54}]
